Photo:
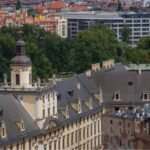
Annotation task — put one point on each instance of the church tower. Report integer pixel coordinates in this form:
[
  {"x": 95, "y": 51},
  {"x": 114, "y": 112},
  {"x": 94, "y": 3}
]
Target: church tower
[{"x": 21, "y": 67}]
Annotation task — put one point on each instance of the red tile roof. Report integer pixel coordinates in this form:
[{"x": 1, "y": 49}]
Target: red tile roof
[
  {"x": 79, "y": 8},
  {"x": 57, "y": 5}
]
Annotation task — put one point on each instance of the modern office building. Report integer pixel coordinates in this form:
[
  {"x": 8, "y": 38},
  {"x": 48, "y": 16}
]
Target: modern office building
[{"x": 139, "y": 23}]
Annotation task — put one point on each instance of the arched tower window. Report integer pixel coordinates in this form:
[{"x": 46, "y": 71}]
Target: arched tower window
[
  {"x": 30, "y": 78},
  {"x": 17, "y": 79}
]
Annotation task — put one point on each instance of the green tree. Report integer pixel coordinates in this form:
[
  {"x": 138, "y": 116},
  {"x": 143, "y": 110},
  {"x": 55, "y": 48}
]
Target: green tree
[
  {"x": 18, "y": 5},
  {"x": 119, "y": 6},
  {"x": 126, "y": 32},
  {"x": 144, "y": 43},
  {"x": 92, "y": 46}
]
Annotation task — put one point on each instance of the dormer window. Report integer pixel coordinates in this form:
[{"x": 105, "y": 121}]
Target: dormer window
[
  {"x": 3, "y": 133},
  {"x": 117, "y": 95},
  {"x": 21, "y": 125},
  {"x": 59, "y": 97},
  {"x": 70, "y": 93},
  {"x": 145, "y": 96}
]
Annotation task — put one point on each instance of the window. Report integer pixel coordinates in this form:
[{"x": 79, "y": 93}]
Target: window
[
  {"x": 91, "y": 144},
  {"x": 50, "y": 146},
  {"x": 59, "y": 144},
  {"x": 72, "y": 139},
  {"x": 128, "y": 144},
  {"x": 43, "y": 113},
  {"x": 116, "y": 108},
  {"x": 3, "y": 130},
  {"x": 130, "y": 83},
  {"x": 87, "y": 145},
  {"x": 53, "y": 110},
  {"x": 128, "y": 124},
  {"x": 55, "y": 144},
  {"x": 111, "y": 122},
  {"x": 88, "y": 131},
  {"x": 45, "y": 146},
  {"x": 76, "y": 136},
  {"x": 48, "y": 111},
  {"x": 59, "y": 97},
  {"x": 70, "y": 93},
  {"x": 91, "y": 129},
  {"x": 68, "y": 139},
  {"x": 120, "y": 123},
  {"x": 63, "y": 142},
  {"x": 80, "y": 135},
  {"x": 84, "y": 146},
  {"x": 17, "y": 79},
  {"x": 84, "y": 133},
  {"x": 116, "y": 95},
  {"x": 30, "y": 78},
  {"x": 120, "y": 142},
  {"x": 145, "y": 96},
  {"x": 95, "y": 128}
]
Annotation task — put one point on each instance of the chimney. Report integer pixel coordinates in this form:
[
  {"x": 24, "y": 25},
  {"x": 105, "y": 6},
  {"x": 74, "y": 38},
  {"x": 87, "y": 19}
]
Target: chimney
[
  {"x": 139, "y": 71},
  {"x": 96, "y": 67},
  {"x": 108, "y": 63},
  {"x": 88, "y": 73}
]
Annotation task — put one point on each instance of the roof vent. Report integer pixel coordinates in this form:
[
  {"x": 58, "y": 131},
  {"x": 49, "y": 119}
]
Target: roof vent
[{"x": 130, "y": 83}]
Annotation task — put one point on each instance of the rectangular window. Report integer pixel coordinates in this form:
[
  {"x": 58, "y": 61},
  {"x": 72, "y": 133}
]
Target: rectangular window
[
  {"x": 48, "y": 111},
  {"x": 72, "y": 139},
  {"x": 55, "y": 143},
  {"x": 111, "y": 122},
  {"x": 68, "y": 139},
  {"x": 80, "y": 135},
  {"x": 128, "y": 144},
  {"x": 88, "y": 131},
  {"x": 76, "y": 136},
  {"x": 91, "y": 144},
  {"x": 63, "y": 142},
  {"x": 120, "y": 142},
  {"x": 43, "y": 113},
  {"x": 91, "y": 129},
  {"x": 95, "y": 128}
]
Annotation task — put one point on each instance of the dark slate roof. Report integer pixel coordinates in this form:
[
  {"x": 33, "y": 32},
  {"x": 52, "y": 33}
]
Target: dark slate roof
[
  {"x": 21, "y": 60},
  {"x": 13, "y": 111},
  {"x": 130, "y": 84}
]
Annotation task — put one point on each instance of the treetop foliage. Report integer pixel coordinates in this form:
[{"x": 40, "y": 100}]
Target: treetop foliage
[{"x": 52, "y": 54}]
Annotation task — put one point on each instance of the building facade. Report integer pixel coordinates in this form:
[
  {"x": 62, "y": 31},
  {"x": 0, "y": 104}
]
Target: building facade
[
  {"x": 65, "y": 114},
  {"x": 128, "y": 129},
  {"x": 139, "y": 23}
]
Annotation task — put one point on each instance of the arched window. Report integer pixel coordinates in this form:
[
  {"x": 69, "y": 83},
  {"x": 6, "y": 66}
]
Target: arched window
[
  {"x": 30, "y": 78},
  {"x": 17, "y": 79}
]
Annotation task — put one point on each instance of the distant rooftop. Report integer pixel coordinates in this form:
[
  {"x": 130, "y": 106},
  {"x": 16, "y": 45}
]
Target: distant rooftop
[
  {"x": 102, "y": 14},
  {"x": 138, "y": 66}
]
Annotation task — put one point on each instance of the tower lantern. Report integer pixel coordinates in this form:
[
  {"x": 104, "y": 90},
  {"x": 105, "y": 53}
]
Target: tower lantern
[{"x": 21, "y": 67}]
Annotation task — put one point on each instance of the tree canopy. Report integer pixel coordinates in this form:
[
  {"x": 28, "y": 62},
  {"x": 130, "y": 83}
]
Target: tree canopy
[{"x": 52, "y": 54}]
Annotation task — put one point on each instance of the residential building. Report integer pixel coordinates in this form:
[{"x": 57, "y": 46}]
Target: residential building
[{"x": 127, "y": 129}]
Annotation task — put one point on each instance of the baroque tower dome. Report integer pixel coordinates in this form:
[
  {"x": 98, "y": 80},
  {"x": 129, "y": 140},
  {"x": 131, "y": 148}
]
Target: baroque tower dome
[{"x": 21, "y": 59}]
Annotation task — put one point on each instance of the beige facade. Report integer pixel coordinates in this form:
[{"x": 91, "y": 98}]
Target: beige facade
[
  {"x": 21, "y": 76},
  {"x": 83, "y": 133}
]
